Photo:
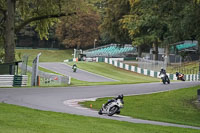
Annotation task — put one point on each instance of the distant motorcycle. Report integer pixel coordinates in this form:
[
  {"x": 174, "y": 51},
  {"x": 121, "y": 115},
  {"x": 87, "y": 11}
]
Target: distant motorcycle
[
  {"x": 112, "y": 106},
  {"x": 74, "y": 67},
  {"x": 180, "y": 76},
  {"x": 165, "y": 78}
]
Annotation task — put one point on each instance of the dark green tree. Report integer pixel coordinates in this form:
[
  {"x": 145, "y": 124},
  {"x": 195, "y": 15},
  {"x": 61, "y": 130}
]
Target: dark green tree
[
  {"x": 111, "y": 29},
  {"x": 145, "y": 25},
  {"x": 19, "y": 13}
]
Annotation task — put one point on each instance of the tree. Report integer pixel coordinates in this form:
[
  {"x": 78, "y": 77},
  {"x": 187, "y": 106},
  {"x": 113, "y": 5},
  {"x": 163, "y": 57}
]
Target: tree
[
  {"x": 156, "y": 22},
  {"x": 111, "y": 30},
  {"x": 144, "y": 25},
  {"x": 79, "y": 31},
  {"x": 19, "y": 13}
]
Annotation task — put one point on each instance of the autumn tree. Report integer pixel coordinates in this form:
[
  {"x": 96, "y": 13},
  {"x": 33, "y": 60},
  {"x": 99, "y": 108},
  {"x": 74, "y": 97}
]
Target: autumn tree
[{"x": 79, "y": 31}]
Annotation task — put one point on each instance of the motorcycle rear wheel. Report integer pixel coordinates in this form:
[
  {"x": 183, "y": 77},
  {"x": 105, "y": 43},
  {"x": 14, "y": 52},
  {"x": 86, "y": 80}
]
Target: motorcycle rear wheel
[{"x": 113, "y": 110}]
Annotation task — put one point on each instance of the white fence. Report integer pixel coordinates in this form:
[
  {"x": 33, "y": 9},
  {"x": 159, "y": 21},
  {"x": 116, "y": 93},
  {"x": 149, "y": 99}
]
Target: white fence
[
  {"x": 149, "y": 72},
  {"x": 13, "y": 80}
]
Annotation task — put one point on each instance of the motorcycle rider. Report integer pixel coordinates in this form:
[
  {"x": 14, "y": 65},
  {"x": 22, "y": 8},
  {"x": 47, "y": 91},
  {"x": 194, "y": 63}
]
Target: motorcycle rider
[
  {"x": 112, "y": 100},
  {"x": 180, "y": 76},
  {"x": 162, "y": 71},
  {"x": 74, "y": 66},
  {"x": 177, "y": 74}
]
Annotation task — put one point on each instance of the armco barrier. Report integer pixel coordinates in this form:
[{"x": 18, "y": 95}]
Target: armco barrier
[
  {"x": 188, "y": 77},
  {"x": 13, "y": 80},
  {"x": 20, "y": 80},
  {"x": 50, "y": 76}
]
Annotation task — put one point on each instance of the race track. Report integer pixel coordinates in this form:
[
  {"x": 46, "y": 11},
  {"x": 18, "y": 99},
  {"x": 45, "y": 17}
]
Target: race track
[
  {"x": 64, "y": 99},
  {"x": 65, "y": 69}
]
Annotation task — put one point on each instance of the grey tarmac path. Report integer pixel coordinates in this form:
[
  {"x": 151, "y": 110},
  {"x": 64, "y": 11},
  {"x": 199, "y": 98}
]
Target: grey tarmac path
[
  {"x": 55, "y": 99},
  {"x": 83, "y": 75}
]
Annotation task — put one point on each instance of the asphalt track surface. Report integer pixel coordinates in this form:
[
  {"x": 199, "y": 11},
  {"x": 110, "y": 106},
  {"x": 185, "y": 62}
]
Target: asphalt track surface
[
  {"x": 65, "y": 69},
  {"x": 65, "y": 99}
]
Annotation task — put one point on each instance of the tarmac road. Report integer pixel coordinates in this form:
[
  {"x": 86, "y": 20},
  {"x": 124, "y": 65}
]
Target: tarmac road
[
  {"x": 65, "y": 99},
  {"x": 65, "y": 69}
]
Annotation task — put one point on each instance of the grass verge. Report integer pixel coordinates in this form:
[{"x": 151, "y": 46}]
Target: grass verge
[
  {"x": 15, "y": 119},
  {"x": 107, "y": 70},
  {"x": 46, "y": 56},
  {"x": 175, "y": 106}
]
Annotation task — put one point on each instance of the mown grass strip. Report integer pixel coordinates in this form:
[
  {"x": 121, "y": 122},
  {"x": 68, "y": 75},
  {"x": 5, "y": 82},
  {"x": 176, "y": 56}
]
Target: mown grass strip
[
  {"x": 123, "y": 76},
  {"x": 15, "y": 119},
  {"x": 177, "y": 106},
  {"x": 46, "y": 56}
]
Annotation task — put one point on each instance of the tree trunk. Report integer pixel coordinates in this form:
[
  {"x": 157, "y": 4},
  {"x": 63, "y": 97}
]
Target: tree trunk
[
  {"x": 139, "y": 51},
  {"x": 155, "y": 47},
  {"x": 167, "y": 54},
  {"x": 10, "y": 33}
]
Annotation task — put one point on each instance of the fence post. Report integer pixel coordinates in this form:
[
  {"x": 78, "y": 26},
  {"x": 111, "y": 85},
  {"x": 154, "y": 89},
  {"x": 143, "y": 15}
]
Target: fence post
[{"x": 34, "y": 80}]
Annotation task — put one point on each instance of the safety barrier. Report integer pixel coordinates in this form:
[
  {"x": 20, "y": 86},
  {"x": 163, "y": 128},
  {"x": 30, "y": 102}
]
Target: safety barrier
[
  {"x": 117, "y": 63},
  {"x": 47, "y": 79},
  {"x": 13, "y": 80}
]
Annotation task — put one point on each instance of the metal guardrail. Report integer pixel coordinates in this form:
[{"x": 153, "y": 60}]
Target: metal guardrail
[
  {"x": 48, "y": 78},
  {"x": 6, "y": 80},
  {"x": 13, "y": 80}
]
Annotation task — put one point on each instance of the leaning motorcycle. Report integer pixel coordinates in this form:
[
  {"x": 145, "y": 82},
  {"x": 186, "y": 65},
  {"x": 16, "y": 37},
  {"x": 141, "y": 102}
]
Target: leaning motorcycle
[
  {"x": 165, "y": 78},
  {"x": 180, "y": 76},
  {"x": 112, "y": 107}
]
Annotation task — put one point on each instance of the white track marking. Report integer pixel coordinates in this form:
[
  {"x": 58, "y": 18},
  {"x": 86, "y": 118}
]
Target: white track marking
[{"x": 75, "y": 103}]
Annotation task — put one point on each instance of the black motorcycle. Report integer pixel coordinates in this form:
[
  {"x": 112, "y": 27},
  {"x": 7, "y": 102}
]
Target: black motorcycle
[
  {"x": 74, "y": 68},
  {"x": 112, "y": 106},
  {"x": 165, "y": 78}
]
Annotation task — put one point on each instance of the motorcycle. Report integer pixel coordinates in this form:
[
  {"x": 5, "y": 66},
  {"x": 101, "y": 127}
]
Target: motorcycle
[
  {"x": 180, "y": 76},
  {"x": 74, "y": 68},
  {"x": 112, "y": 106},
  {"x": 165, "y": 78}
]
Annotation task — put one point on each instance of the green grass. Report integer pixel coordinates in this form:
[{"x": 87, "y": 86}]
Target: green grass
[
  {"x": 48, "y": 71},
  {"x": 175, "y": 106},
  {"x": 186, "y": 68},
  {"x": 15, "y": 119},
  {"x": 107, "y": 70},
  {"x": 46, "y": 56}
]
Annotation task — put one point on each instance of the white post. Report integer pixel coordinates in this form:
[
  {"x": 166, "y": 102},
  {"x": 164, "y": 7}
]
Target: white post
[
  {"x": 74, "y": 53},
  {"x": 35, "y": 70},
  {"x": 69, "y": 81}
]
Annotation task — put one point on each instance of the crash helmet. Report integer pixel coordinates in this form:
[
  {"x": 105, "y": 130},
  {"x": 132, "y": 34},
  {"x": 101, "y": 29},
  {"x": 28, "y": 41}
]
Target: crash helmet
[{"x": 120, "y": 96}]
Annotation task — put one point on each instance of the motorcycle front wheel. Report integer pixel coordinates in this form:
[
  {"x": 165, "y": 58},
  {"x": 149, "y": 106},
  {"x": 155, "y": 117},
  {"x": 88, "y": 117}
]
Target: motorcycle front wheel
[
  {"x": 100, "y": 112},
  {"x": 113, "y": 110},
  {"x": 163, "y": 80}
]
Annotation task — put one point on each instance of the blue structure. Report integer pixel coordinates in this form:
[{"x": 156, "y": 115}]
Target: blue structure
[
  {"x": 187, "y": 46},
  {"x": 112, "y": 50}
]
